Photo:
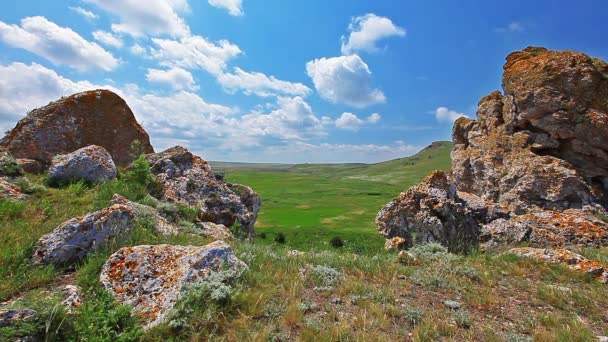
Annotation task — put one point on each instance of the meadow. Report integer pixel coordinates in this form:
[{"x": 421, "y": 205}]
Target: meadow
[{"x": 312, "y": 203}]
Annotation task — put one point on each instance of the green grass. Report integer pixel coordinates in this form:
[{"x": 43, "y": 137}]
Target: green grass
[{"x": 312, "y": 203}]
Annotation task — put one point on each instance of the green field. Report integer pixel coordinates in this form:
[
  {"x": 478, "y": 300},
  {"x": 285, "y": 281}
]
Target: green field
[{"x": 312, "y": 203}]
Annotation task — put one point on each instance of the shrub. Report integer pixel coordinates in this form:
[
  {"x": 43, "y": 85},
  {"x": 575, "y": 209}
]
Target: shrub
[
  {"x": 413, "y": 315},
  {"x": 168, "y": 210},
  {"x": 28, "y": 187},
  {"x": 262, "y": 235},
  {"x": 138, "y": 172},
  {"x": 432, "y": 251},
  {"x": 280, "y": 238},
  {"x": 462, "y": 319},
  {"x": 326, "y": 275},
  {"x": 9, "y": 166},
  {"x": 336, "y": 242}
]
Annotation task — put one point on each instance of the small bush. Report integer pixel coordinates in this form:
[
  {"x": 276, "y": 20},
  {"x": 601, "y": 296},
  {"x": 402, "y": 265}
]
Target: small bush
[
  {"x": 280, "y": 238},
  {"x": 326, "y": 275},
  {"x": 168, "y": 210},
  {"x": 262, "y": 235},
  {"x": 413, "y": 315},
  {"x": 336, "y": 242},
  {"x": 462, "y": 319},
  {"x": 432, "y": 252},
  {"x": 28, "y": 187},
  {"x": 9, "y": 167},
  {"x": 138, "y": 172}
]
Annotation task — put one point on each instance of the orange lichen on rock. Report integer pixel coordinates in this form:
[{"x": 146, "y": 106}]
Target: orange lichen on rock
[{"x": 573, "y": 261}]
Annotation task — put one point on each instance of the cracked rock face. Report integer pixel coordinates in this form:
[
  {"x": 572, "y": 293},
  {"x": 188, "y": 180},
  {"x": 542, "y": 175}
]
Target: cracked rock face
[
  {"x": 76, "y": 238},
  {"x": 151, "y": 279},
  {"x": 97, "y": 117},
  {"x": 533, "y": 166},
  {"x": 92, "y": 164},
  {"x": 188, "y": 179}
]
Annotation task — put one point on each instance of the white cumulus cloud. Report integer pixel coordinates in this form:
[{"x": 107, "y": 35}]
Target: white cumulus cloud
[
  {"x": 175, "y": 77},
  {"x": 84, "y": 12},
  {"x": 374, "y": 118},
  {"x": 349, "y": 121},
  {"x": 446, "y": 115},
  {"x": 195, "y": 52},
  {"x": 366, "y": 31},
  {"x": 59, "y": 45},
  {"x": 151, "y": 17},
  {"x": 344, "y": 79},
  {"x": 260, "y": 84},
  {"x": 234, "y": 7},
  {"x": 107, "y": 38}
]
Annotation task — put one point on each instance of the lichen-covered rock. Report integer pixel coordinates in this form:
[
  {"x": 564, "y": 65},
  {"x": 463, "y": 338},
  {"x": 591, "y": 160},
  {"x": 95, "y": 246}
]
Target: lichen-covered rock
[
  {"x": 535, "y": 161},
  {"x": 98, "y": 117},
  {"x": 10, "y": 191},
  {"x": 76, "y": 238},
  {"x": 573, "y": 261},
  {"x": 430, "y": 212},
  {"x": 214, "y": 231},
  {"x": 72, "y": 295},
  {"x": 187, "y": 178},
  {"x": 541, "y": 145},
  {"x": 31, "y": 165},
  {"x": 152, "y": 278},
  {"x": 143, "y": 212},
  {"x": 11, "y": 316},
  {"x": 92, "y": 164},
  {"x": 395, "y": 244}
]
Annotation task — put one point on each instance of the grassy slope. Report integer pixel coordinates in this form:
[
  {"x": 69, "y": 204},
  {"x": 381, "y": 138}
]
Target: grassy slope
[{"x": 311, "y": 203}]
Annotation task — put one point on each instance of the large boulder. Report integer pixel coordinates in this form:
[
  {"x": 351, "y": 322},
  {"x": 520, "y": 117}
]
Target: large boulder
[
  {"x": 92, "y": 164},
  {"x": 188, "y": 179},
  {"x": 534, "y": 165},
  {"x": 146, "y": 213},
  {"x": 151, "y": 279},
  {"x": 76, "y": 238},
  {"x": 431, "y": 211},
  {"x": 543, "y": 143},
  {"x": 98, "y": 117}
]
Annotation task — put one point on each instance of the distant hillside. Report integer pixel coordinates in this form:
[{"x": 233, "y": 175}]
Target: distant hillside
[{"x": 403, "y": 171}]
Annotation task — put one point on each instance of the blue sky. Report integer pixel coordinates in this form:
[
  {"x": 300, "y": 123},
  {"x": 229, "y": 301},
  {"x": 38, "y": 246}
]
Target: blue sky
[{"x": 277, "y": 80}]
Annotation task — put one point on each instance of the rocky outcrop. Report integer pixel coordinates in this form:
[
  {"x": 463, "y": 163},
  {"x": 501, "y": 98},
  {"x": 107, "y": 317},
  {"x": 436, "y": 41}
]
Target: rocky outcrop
[
  {"x": 573, "y": 261},
  {"x": 76, "y": 238},
  {"x": 214, "y": 231},
  {"x": 91, "y": 164},
  {"x": 534, "y": 165},
  {"x": 98, "y": 117},
  {"x": 143, "y": 212},
  {"x": 430, "y": 212},
  {"x": 12, "y": 316},
  {"x": 152, "y": 278},
  {"x": 188, "y": 179}
]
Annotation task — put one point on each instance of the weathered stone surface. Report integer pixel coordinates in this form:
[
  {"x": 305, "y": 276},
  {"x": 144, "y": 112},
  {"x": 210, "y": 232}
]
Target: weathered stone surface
[
  {"x": 533, "y": 166},
  {"x": 430, "y": 212},
  {"x": 186, "y": 178},
  {"x": 152, "y": 278},
  {"x": 542, "y": 143},
  {"x": 76, "y": 238},
  {"x": 98, "y": 117},
  {"x": 143, "y": 212},
  {"x": 10, "y": 317},
  {"x": 214, "y": 231},
  {"x": 573, "y": 261},
  {"x": 72, "y": 297},
  {"x": 31, "y": 165},
  {"x": 10, "y": 191},
  {"x": 396, "y": 243},
  {"x": 91, "y": 164}
]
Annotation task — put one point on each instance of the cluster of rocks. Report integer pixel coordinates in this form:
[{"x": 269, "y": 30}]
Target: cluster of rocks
[
  {"x": 84, "y": 137},
  {"x": 532, "y": 168}
]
